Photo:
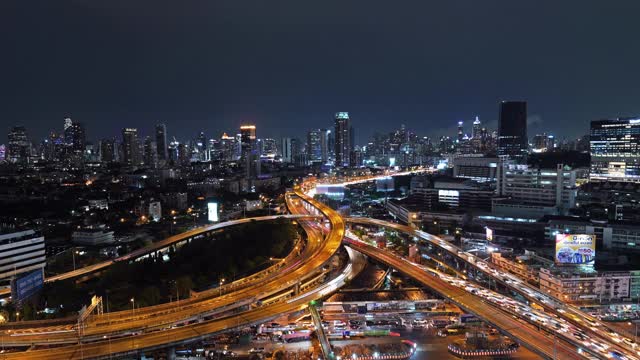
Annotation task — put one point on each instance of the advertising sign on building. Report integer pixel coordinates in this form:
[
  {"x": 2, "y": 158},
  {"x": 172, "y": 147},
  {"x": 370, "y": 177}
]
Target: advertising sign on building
[
  {"x": 212, "y": 211},
  {"x": 489, "y": 234},
  {"x": 26, "y": 285},
  {"x": 575, "y": 248}
]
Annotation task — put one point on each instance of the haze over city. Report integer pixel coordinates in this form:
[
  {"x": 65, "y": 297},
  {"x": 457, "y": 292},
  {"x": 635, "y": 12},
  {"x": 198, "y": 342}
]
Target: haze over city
[{"x": 211, "y": 66}]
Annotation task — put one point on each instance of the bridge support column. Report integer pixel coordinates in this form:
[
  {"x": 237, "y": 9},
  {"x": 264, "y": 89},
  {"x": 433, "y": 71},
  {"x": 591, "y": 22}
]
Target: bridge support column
[
  {"x": 171, "y": 353},
  {"x": 296, "y": 288}
]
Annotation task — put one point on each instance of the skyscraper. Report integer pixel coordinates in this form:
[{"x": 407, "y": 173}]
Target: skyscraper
[
  {"x": 324, "y": 145},
  {"x": 247, "y": 139},
  {"x": 615, "y": 150},
  {"x": 342, "y": 139},
  {"x": 512, "y": 129},
  {"x": 108, "y": 150},
  {"x": 161, "y": 142},
  {"x": 250, "y": 152},
  {"x": 285, "y": 150},
  {"x": 130, "y": 146},
  {"x": 76, "y": 137},
  {"x": 477, "y": 128},
  {"x": 18, "y": 147},
  {"x": 460, "y": 131},
  {"x": 314, "y": 146},
  {"x": 150, "y": 153}
]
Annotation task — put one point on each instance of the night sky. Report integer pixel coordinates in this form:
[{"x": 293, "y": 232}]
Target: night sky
[{"x": 287, "y": 66}]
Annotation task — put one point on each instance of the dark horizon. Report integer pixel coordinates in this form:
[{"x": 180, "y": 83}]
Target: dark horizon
[{"x": 288, "y": 66}]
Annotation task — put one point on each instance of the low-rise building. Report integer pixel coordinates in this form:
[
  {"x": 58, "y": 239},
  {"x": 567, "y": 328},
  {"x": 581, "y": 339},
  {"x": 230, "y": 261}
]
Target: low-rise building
[
  {"x": 585, "y": 284},
  {"x": 620, "y": 236},
  {"x": 92, "y": 236},
  {"x": 525, "y": 266}
]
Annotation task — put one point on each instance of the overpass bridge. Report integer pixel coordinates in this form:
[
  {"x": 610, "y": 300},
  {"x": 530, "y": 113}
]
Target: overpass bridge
[
  {"x": 591, "y": 325},
  {"x": 324, "y": 248},
  {"x": 163, "y": 245}
]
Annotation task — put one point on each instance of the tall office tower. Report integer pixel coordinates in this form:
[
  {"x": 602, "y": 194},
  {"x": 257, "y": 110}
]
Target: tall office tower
[
  {"x": 285, "y": 150},
  {"x": 247, "y": 139},
  {"x": 76, "y": 137},
  {"x": 18, "y": 147},
  {"x": 108, "y": 151},
  {"x": 314, "y": 146},
  {"x": 130, "y": 146},
  {"x": 268, "y": 147},
  {"x": 615, "y": 150},
  {"x": 228, "y": 146},
  {"x": 342, "y": 139},
  {"x": 477, "y": 129},
  {"x": 460, "y": 131},
  {"x": 172, "y": 151},
  {"x": 201, "y": 146},
  {"x": 324, "y": 145},
  {"x": 250, "y": 152},
  {"x": 512, "y": 129},
  {"x": 3, "y": 152},
  {"x": 331, "y": 146},
  {"x": 161, "y": 142},
  {"x": 297, "y": 156},
  {"x": 150, "y": 153}
]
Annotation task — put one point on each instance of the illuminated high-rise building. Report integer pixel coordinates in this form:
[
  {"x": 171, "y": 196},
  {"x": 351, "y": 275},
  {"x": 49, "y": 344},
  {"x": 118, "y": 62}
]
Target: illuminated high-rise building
[
  {"x": 314, "y": 146},
  {"x": 286, "y": 150},
  {"x": 343, "y": 144},
  {"x": 615, "y": 150},
  {"x": 460, "y": 131},
  {"x": 108, "y": 151},
  {"x": 18, "y": 147},
  {"x": 130, "y": 146},
  {"x": 324, "y": 145},
  {"x": 161, "y": 142},
  {"x": 512, "y": 129},
  {"x": 247, "y": 139},
  {"x": 477, "y": 128},
  {"x": 250, "y": 152},
  {"x": 150, "y": 153}
]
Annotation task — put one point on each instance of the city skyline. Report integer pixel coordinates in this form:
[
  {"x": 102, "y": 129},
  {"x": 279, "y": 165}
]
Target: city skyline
[{"x": 193, "y": 71}]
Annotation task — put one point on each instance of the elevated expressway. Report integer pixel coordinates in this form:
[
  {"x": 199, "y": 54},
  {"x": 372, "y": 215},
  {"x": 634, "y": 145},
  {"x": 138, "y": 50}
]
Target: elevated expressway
[
  {"x": 544, "y": 346},
  {"x": 585, "y": 322},
  {"x": 106, "y": 344},
  {"x": 160, "y": 246}
]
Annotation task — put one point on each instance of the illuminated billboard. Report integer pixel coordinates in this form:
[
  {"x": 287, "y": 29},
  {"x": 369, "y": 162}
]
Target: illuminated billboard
[
  {"x": 212, "y": 211},
  {"x": 26, "y": 285},
  {"x": 489, "y": 234},
  {"x": 575, "y": 249}
]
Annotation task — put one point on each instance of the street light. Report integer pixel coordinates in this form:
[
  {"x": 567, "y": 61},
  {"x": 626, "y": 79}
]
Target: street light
[
  {"x": 17, "y": 316},
  {"x": 133, "y": 306},
  {"x": 220, "y": 287}
]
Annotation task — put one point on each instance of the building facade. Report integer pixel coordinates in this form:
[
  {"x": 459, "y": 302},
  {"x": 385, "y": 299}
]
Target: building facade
[
  {"x": 20, "y": 252},
  {"x": 615, "y": 150},
  {"x": 512, "y": 130}
]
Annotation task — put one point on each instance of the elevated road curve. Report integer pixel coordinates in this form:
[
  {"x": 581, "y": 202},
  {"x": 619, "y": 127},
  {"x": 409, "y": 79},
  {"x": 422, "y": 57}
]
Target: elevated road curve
[
  {"x": 163, "y": 244},
  {"x": 543, "y": 345},
  {"x": 585, "y": 322},
  {"x": 326, "y": 248}
]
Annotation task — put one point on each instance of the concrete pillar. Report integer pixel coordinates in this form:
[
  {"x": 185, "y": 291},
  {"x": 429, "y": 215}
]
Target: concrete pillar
[
  {"x": 171, "y": 353},
  {"x": 296, "y": 288}
]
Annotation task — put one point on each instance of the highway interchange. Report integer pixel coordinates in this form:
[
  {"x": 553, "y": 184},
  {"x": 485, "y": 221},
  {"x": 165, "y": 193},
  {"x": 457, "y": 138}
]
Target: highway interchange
[{"x": 563, "y": 332}]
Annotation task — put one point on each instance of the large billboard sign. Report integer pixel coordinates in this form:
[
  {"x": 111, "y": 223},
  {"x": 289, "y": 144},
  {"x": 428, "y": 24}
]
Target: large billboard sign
[
  {"x": 26, "y": 285},
  {"x": 489, "y": 233},
  {"x": 575, "y": 248},
  {"x": 212, "y": 211}
]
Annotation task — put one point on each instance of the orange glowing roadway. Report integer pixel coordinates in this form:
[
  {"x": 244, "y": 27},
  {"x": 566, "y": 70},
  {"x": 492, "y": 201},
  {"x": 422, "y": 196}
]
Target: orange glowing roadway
[{"x": 327, "y": 247}]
